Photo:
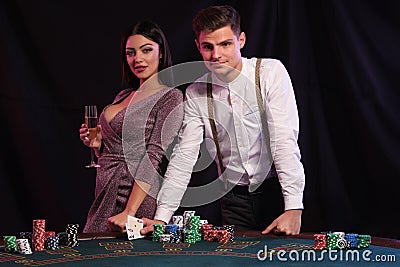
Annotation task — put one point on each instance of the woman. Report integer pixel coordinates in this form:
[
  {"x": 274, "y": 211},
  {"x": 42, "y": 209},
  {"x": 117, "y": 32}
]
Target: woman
[{"x": 134, "y": 132}]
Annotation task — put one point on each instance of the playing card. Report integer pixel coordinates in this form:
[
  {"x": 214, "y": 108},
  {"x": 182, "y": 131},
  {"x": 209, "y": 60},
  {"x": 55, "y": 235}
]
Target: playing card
[{"x": 133, "y": 227}]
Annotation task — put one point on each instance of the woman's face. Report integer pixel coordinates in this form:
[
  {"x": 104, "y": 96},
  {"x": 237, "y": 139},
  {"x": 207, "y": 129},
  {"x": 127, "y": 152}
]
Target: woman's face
[{"x": 143, "y": 56}]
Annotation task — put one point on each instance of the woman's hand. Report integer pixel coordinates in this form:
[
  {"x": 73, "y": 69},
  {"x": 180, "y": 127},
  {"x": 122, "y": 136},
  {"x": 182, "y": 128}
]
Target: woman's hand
[
  {"x": 118, "y": 222},
  {"x": 84, "y": 133}
]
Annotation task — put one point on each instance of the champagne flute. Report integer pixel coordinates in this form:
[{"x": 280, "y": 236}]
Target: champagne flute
[{"x": 91, "y": 122}]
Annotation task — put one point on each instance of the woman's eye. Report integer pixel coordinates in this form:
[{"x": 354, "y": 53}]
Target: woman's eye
[
  {"x": 129, "y": 53},
  {"x": 147, "y": 50}
]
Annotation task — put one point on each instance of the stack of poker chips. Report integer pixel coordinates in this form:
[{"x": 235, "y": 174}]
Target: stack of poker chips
[
  {"x": 332, "y": 240},
  {"x": 47, "y": 234},
  {"x": 24, "y": 246},
  {"x": 62, "y": 238},
  {"x": 158, "y": 231},
  {"x": 10, "y": 243},
  {"x": 175, "y": 236},
  {"x": 72, "y": 235},
  {"x": 38, "y": 235},
  {"x": 204, "y": 228},
  {"x": 223, "y": 235},
  {"x": 190, "y": 236},
  {"x": 190, "y": 229},
  {"x": 363, "y": 241},
  {"x": 171, "y": 228},
  {"x": 319, "y": 241},
  {"x": 52, "y": 243},
  {"x": 194, "y": 226},
  {"x": 26, "y": 235},
  {"x": 351, "y": 240},
  {"x": 340, "y": 240},
  {"x": 231, "y": 230},
  {"x": 39, "y": 239},
  {"x": 217, "y": 235}
]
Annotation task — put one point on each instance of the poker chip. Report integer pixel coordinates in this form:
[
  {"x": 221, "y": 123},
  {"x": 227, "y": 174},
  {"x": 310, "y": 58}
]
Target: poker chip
[
  {"x": 205, "y": 227},
  {"x": 171, "y": 228},
  {"x": 23, "y": 246},
  {"x": 203, "y": 222},
  {"x": 158, "y": 231},
  {"x": 62, "y": 238},
  {"x": 52, "y": 243},
  {"x": 319, "y": 241},
  {"x": 223, "y": 236},
  {"x": 10, "y": 243},
  {"x": 28, "y": 236},
  {"x": 72, "y": 235},
  {"x": 38, "y": 234},
  {"x": 47, "y": 234},
  {"x": 190, "y": 236},
  {"x": 165, "y": 238},
  {"x": 231, "y": 230},
  {"x": 340, "y": 234},
  {"x": 331, "y": 241},
  {"x": 363, "y": 241},
  {"x": 351, "y": 240},
  {"x": 175, "y": 238}
]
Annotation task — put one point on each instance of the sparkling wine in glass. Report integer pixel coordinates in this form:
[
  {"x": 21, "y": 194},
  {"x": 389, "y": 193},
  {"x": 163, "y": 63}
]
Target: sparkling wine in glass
[{"x": 91, "y": 120}]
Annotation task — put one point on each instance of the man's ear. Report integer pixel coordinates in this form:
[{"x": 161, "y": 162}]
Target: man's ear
[
  {"x": 197, "y": 44},
  {"x": 242, "y": 39}
]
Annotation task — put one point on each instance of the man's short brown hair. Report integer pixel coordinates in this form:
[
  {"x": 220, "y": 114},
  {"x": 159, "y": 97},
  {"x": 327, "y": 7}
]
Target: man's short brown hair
[{"x": 215, "y": 17}]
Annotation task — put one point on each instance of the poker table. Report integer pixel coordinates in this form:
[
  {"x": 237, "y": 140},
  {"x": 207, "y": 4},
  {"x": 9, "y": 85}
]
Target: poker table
[{"x": 248, "y": 249}]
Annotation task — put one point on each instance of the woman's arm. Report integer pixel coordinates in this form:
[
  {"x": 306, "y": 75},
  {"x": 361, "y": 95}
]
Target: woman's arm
[
  {"x": 147, "y": 174},
  {"x": 138, "y": 193}
]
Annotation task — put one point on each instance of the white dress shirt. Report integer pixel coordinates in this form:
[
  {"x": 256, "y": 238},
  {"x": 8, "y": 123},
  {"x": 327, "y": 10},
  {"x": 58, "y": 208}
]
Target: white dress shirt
[{"x": 246, "y": 156}]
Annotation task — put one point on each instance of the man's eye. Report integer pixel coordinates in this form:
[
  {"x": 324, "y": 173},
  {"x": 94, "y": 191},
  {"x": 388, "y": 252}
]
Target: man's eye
[
  {"x": 226, "y": 44},
  {"x": 207, "y": 47}
]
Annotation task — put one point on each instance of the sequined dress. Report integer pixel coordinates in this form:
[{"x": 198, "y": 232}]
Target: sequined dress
[{"x": 134, "y": 146}]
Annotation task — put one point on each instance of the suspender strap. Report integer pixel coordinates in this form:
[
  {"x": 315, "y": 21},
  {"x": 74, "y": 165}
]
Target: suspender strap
[
  {"x": 261, "y": 106},
  {"x": 210, "y": 104}
]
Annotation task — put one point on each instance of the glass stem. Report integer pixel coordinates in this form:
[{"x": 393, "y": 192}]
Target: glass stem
[{"x": 92, "y": 155}]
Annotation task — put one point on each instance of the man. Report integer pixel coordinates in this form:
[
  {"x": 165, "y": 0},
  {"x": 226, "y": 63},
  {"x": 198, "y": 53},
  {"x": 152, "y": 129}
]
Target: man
[{"x": 248, "y": 154}]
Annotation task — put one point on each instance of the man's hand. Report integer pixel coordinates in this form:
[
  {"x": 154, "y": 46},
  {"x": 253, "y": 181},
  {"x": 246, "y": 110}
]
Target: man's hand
[
  {"x": 148, "y": 225},
  {"x": 288, "y": 223}
]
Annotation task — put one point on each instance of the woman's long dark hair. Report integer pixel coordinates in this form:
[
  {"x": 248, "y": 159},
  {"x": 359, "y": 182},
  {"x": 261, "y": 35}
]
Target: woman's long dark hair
[{"x": 153, "y": 32}]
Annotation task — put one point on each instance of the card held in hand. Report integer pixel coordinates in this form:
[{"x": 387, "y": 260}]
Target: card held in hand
[{"x": 133, "y": 227}]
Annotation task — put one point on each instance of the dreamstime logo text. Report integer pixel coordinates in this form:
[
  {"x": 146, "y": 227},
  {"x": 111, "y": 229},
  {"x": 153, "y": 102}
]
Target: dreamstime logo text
[{"x": 330, "y": 255}]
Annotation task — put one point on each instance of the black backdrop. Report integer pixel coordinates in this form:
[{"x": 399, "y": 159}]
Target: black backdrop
[{"x": 57, "y": 56}]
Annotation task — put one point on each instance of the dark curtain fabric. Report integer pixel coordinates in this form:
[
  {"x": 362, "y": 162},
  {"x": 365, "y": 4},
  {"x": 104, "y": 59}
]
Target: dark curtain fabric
[{"x": 57, "y": 56}]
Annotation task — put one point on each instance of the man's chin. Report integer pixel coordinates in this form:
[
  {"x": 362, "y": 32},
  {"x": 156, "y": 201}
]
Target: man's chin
[{"x": 218, "y": 68}]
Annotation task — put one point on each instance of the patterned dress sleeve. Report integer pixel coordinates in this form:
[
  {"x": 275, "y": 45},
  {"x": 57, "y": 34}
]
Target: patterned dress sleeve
[{"x": 166, "y": 117}]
